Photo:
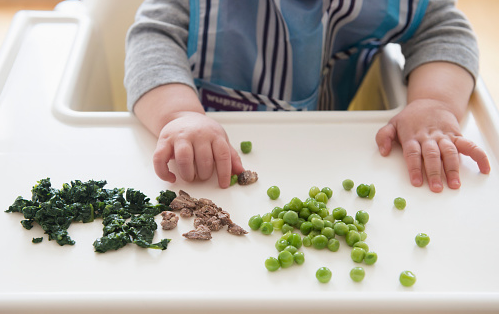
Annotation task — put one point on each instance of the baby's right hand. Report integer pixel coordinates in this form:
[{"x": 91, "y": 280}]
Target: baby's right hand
[{"x": 199, "y": 145}]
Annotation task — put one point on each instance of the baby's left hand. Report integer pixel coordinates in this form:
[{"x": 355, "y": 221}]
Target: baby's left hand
[{"x": 430, "y": 138}]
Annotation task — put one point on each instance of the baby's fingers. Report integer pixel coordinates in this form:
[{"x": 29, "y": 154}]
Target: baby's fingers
[
  {"x": 161, "y": 157},
  {"x": 412, "y": 156},
  {"x": 222, "y": 156},
  {"x": 450, "y": 158},
  {"x": 468, "y": 148},
  {"x": 384, "y": 138},
  {"x": 184, "y": 157},
  {"x": 433, "y": 164}
]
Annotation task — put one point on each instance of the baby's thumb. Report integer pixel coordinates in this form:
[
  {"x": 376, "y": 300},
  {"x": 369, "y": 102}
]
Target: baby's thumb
[{"x": 384, "y": 138}]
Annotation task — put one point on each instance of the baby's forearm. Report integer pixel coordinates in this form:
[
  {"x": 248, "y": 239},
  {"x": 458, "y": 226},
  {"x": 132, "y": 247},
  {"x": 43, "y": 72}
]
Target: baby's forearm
[
  {"x": 162, "y": 104},
  {"x": 445, "y": 82}
]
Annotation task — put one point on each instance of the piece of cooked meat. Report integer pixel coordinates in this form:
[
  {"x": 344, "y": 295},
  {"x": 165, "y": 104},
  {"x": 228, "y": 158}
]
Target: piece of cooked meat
[
  {"x": 247, "y": 177},
  {"x": 169, "y": 221},
  {"x": 236, "y": 229},
  {"x": 200, "y": 233}
]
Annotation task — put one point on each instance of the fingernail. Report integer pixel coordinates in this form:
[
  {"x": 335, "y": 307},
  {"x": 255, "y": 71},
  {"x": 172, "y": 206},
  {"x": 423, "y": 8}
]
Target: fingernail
[{"x": 455, "y": 184}]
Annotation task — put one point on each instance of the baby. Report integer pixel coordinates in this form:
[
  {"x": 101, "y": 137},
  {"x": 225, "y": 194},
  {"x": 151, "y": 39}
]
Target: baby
[{"x": 298, "y": 55}]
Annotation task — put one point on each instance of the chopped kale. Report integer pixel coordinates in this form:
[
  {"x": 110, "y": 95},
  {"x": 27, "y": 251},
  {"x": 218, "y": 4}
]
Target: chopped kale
[
  {"x": 127, "y": 217},
  {"x": 37, "y": 240}
]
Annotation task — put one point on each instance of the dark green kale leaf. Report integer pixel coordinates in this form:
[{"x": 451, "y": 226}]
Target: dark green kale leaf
[
  {"x": 18, "y": 205},
  {"x": 37, "y": 240},
  {"x": 112, "y": 241},
  {"x": 42, "y": 191},
  {"x": 161, "y": 245}
]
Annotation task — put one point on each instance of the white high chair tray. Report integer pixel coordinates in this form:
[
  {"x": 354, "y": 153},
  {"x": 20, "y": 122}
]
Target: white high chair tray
[{"x": 456, "y": 272}]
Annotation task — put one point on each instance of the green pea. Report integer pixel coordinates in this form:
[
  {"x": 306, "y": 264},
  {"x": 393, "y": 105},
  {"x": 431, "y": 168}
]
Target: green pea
[
  {"x": 359, "y": 226},
  {"x": 281, "y": 244},
  {"x": 372, "y": 192},
  {"x": 299, "y": 258},
  {"x": 313, "y": 191},
  {"x": 327, "y": 190},
  {"x": 352, "y": 237},
  {"x": 272, "y": 264},
  {"x": 363, "y": 245},
  {"x": 328, "y": 232},
  {"x": 233, "y": 179},
  {"x": 321, "y": 197},
  {"x": 267, "y": 217},
  {"x": 291, "y": 249},
  {"x": 295, "y": 204},
  {"x": 329, "y": 218},
  {"x": 407, "y": 278},
  {"x": 340, "y": 228},
  {"x": 333, "y": 245},
  {"x": 304, "y": 213},
  {"x": 363, "y": 190},
  {"x": 314, "y": 233},
  {"x": 298, "y": 224},
  {"x": 319, "y": 242},
  {"x": 277, "y": 223},
  {"x": 370, "y": 258},
  {"x": 295, "y": 240},
  {"x": 313, "y": 205},
  {"x": 323, "y": 212},
  {"x": 273, "y": 192},
  {"x": 328, "y": 223},
  {"x": 323, "y": 274},
  {"x": 306, "y": 227},
  {"x": 281, "y": 214},
  {"x": 307, "y": 241},
  {"x": 255, "y": 222},
  {"x": 312, "y": 216},
  {"x": 399, "y": 203},
  {"x": 246, "y": 147},
  {"x": 339, "y": 213},
  {"x": 276, "y": 211},
  {"x": 266, "y": 227},
  {"x": 363, "y": 236},
  {"x": 357, "y": 254},
  {"x": 362, "y": 216},
  {"x": 357, "y": 274},
  {"x": 352, "y": 227},
  {"x": 285, "y": 258},
  {"x": 290, "y": 217},
  {"x": 286, "y": 235},
  {"x": 348, "y": 219},
  {"x": 287, "y": 228},
  {"x": 347, "y": 184},
  {"x": 422, "y": 239},
  {"x": 317, "y": 223}
]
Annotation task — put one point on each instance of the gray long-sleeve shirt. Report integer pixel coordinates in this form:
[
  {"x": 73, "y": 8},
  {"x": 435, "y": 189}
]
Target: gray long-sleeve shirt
[{"x": 157, "y": 43}]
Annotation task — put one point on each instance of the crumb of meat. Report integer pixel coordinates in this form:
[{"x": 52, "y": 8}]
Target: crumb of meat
[
  {"x": 236, "y": 229},
  {"x": 247, "y": 177},
  {"x": 186, "y": 212},
  {"x": 169, "y": 221},
  {"x": 200, "y": 233},
  {"x": 183, "y": 200}
]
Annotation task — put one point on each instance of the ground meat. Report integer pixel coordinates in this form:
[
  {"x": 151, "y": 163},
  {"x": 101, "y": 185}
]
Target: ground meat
[
  {"x": 169, "y": 221},
  {"x": 247, "y": 177},
  {"x": 235, "y": 229},
  {"x": 200, "y": 233}
]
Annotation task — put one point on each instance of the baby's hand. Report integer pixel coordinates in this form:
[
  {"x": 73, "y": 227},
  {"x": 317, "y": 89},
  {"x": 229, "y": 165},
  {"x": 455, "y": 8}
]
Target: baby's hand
[
  {"x": 430, "y": 137},
  {"x": 199, "y": 145}
]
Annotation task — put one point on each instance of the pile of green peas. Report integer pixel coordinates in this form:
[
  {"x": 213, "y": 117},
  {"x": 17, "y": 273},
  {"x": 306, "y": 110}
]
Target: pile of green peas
[{"x": 320, "y": 227}]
